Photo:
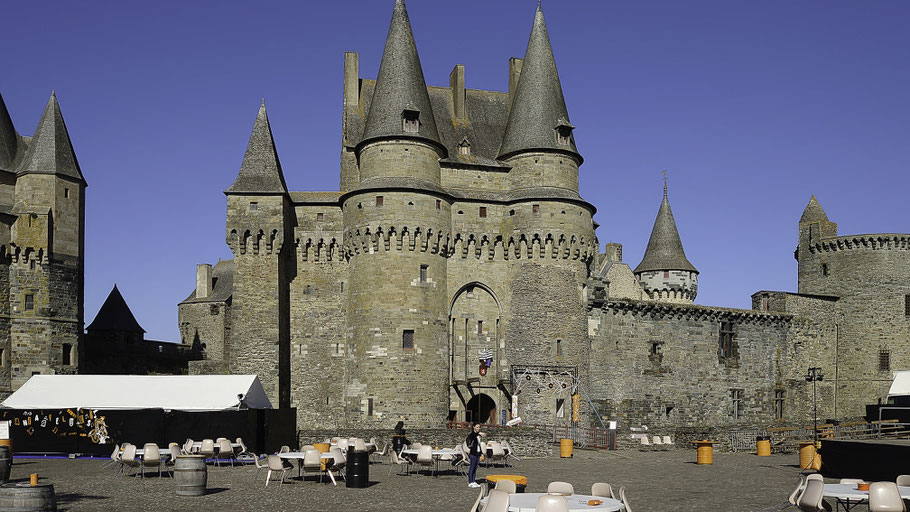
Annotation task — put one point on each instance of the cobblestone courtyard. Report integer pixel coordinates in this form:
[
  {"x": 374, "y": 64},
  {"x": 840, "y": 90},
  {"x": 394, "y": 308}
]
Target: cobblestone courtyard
[{"x": 655, "y": 481}]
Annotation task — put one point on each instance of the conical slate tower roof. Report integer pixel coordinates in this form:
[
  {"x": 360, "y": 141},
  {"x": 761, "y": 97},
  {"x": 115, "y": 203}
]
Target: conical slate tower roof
[
  {"x": 9, "y": 139},
  {"x": 260, "y": 172},
  {"x": 115, "y": 315},
  {"x": 813, "y": 211},
  {"x": 51, "y": 151},
  {"x": 400, "y": 86},
  {"x": 665, "y": 249},
  {"x": 538, "y": 107}
]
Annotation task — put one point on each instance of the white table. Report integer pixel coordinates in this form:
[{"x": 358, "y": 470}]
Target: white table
[
  {"x": 527, "y": 502},
  {"x": 197, "y": 445},
  {"x": 849, "y": 496},
  {"x": 299, "y": 456},
  {"x": 437, "y": 454},
  {"x": 368, "y": 445}
]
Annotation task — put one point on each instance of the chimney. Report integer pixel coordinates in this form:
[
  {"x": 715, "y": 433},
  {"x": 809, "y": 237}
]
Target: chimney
[
  {"x": 514, "y": 72},
  {"x": 351, "y": 79},
  {"x": 203, "y": 280},
  {"x": 614, "y": 252},
  {"x": 456, "y": 83}
]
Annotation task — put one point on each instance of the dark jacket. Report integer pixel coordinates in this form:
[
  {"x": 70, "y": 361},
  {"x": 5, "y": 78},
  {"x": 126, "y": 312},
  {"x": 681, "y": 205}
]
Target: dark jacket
[{"x": 473, "y": 442}]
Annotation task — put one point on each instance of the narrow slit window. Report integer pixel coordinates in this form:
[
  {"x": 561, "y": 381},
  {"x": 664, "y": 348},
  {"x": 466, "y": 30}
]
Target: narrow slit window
[
  {"x": 369, "y": 406},
  {"x": 535, "y": 209},
  {"x": 906, "y": 305},
  {"x": 320, "y": 217},
  {"x": 778, "y": 404},
  {"x": 483, "y": 212},
  {"x": 737, "y": 398},
  {"x": 29, "y": 302},
  {"x": 423, "y": 273},
  {"x": 480, "y": 327},
  {"x": 407, "y": 339},
  {"x": 884, "y": 360},
  {"x": 558, "y": 348},
  {"x": 825, "y": 269},
  {"x": 254, "y": 206},
  {"x": 66, "y": 192},
  {"x": 379, "y": 200},
  {"x": 438, "y": 204},
  {"x": 67, "y": 354}
]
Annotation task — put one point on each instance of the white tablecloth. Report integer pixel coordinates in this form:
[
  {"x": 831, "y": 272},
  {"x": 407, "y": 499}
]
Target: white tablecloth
[
  {"x": 301, "y": 455},
  {"x": 436, "y": 453},
  {"x": 850, "y": 492},
  {"x": 527, "y": 502}
]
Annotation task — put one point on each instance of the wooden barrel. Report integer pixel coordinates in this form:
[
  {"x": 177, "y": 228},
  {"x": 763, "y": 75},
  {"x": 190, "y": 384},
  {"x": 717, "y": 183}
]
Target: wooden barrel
[
  {"x": 190, "y": 475},
  {"x": 23, "y": 497},
  {"x": 7, "y": 442},
  {"x": 705, "y": 452},
  {"x": 6, "y": 463},
  {"x": 763, "y": 447},
  {"x": 565, "y": 448},
  {"x": 806, "y": 454}
]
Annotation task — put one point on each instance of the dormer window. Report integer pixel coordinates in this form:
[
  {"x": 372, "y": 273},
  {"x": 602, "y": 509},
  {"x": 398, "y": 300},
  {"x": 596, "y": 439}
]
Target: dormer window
[
  {"x": 564, "y": 132},
  {"x": 410, "y": 121},
  {"x": 464, "y": 147}
]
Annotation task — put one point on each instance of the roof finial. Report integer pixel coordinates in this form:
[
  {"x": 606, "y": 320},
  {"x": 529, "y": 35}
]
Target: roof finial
[
  {"x": 665, "y": 183},
  {"x": 263, "y": 103},
  {"x": 538, "y": 6}
]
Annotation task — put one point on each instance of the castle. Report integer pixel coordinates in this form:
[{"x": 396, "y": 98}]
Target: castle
[
  {"x": 42, "y": 250},
  {"x": 456, "y": 274}
]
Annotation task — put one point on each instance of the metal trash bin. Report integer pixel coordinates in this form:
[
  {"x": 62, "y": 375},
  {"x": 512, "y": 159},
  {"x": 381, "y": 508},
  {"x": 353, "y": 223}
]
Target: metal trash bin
[
  {"x": 357, "y": 469},
  {"x": 763, "y": 446}
]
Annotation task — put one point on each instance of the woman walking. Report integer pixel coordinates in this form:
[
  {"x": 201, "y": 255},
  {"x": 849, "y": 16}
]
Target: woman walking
[{"x": 474, "y": 451}]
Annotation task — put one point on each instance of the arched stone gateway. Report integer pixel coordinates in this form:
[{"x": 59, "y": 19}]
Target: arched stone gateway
[
  {"x": 482, "y": 409},
  {"x": 477, "y": 363}
]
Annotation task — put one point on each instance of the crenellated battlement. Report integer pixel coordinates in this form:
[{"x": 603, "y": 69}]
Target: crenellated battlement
[
  {"x": 491, "y": 247},
  {"x": 875, "y": 242},
  {"x": 255, "y": 241}
]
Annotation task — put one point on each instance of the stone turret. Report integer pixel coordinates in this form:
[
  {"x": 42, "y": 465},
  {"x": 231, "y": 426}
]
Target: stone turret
[
  {"x": 258, "y": 231},
  {"x": 552, "y": 226},
  {"x": 664, "y": 272},
  {"x": 9, "y": 139},
  {"x": 397, "y": 221}
]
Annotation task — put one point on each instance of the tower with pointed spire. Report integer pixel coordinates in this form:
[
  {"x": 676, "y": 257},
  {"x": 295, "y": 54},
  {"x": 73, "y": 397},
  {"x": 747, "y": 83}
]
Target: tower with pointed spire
[
  {"x": 42, "y": 220},
  {"x": 258, "y": 232},
  {"x": 664, "y": 272}
]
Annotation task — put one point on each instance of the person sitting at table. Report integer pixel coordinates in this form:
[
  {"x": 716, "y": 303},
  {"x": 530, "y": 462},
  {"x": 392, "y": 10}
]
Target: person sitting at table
[
  {"x": 474, "y": 451},
  {"x": 399, "y": 431}
]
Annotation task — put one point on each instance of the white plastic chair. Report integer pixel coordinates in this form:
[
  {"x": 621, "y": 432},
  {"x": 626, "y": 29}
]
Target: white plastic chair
[
  {"x": 624, "y": 499},
  {"x": 425, "y": 458},
  {"x": 794, "y": 496},
  {"x": 645, "y": 444},
  {"x": 602, "y": 490},
  {"x": 506, "y": 486},
  {"x": 483, "y": 492},
  {"x": 885, "y": 497},
  {"x": 275, "y": 465},
  {"x": 561, "y": 487},
  {"x": 395, "y": 460},
  {"x": 668, "y": 442},
  {"x": 552, "y": 504},
  {"x": 312, "y": 463},
  {"x": 151, "y": 457},
  {"x": 128, "y": 459},
  {"x": 115, "y": 457},
  {"x": 338, "y": 465},
  {"x": 497, "y": 501},
  {"x": 813, "y": 498},
  {"x": 207, "y": 449},
  {"x": 658, "y": 444}
]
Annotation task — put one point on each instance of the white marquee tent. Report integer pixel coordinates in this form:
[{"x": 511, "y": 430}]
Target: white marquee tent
[
  {"x": 900, "y": 386},
  {"x": 171, "y": 392}
]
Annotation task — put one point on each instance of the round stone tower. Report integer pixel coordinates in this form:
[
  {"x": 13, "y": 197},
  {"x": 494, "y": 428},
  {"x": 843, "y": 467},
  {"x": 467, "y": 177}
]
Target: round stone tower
[
  {"x": 397, "y": 225},
  {"x": 552, "y": 240},
  {"x": 664, "y": 272}
]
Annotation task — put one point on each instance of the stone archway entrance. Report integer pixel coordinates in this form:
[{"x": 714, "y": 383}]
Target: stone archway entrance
[{"x": 482, "y": 409}]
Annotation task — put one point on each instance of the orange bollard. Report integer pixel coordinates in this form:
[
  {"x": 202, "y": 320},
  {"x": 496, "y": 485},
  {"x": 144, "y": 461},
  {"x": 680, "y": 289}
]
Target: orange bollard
[{"x": 34, "y": 479}]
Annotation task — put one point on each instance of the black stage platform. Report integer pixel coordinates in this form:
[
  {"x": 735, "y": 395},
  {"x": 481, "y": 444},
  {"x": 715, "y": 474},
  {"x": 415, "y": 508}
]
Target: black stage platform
[{"x": 871, "y": 460}]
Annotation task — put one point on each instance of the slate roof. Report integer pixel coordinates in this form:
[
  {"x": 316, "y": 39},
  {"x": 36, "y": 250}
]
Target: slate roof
[
  {"x": 9, "y": 138},
  {"x": 260, "y": 172},
  {"x": 813, "y": 211},
  {"x": 400, "y": 86},
  {"x": 665, "y": 249},
  {"x": 115, "y": 315},
  {"x": 222, "y": 284},
  {"x": 50, "y": 150},
  {"x": 538, "y": 106}
]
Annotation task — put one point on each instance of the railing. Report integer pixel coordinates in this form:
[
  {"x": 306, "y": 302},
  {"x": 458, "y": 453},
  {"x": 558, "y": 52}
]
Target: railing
[
  {"x": 786, "y": 439},
  {"x": 583, "y": 437}
]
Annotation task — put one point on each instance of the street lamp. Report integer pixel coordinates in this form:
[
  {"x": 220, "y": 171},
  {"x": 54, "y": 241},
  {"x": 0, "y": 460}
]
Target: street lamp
[{"x": 814, "y": 375}]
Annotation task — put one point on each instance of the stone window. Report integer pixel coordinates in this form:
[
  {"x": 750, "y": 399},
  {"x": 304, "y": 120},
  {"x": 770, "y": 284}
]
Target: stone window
[
  {"x": 66, "y": 192},
  {"x": 727, "y": 333},
  {"x": 407, "y": 339},
  {"x": 737, "y": 396},
  {"x": 320, "y": 217},
  {"x": 254, "y": 206},
  {"x": 558, "y": 348},
  {"x": 31, "y": 264},
  {"x": 884, "y": 360},
  {"x": 535, "y": 208},
  {"x": 410, "y": 121},
  {"x": 906, "y": 305},
  {"x": 369, "y": 406},
  {"x": 464, "y": 147},
  {"x": 564, "y": 134},
  {"x": 29, "y": 302},
  {"x": 378, "y": 200},
  {"x": 483, "y": 212},
  {"x": 338, "y": 349},
  {"x": 213, "y": 309},
  {"x": 764, "y": 303},
  {"x": 438, "y": 204},
  {"x": 423, "y": 273},
  {"x": 666, "y": 274},
  {"x": 2, "y": 357},
  {"x": 655, "y": 348},
  {"x": 779, "y": 404},
  {"x": 67, "y": 354},
  {"x": 560, "y": 407},
  {"x": 511, "y": 213},
  {"x": 480, "y": 327},
  {"x": 825, "y": 269}
]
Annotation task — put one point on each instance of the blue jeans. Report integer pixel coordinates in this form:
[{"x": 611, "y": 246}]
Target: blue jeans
[{"x": 472, "y": 470}]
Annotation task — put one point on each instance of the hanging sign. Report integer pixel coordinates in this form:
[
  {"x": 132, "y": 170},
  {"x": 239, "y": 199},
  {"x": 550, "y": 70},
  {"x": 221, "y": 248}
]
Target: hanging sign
[{"x": 576, "y": 407}]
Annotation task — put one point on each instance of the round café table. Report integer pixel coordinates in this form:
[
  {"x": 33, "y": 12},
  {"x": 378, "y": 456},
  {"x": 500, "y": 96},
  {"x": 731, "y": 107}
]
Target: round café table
[
  {"x": 527, "y": 502},
  {"x": 520, "y": 481}
]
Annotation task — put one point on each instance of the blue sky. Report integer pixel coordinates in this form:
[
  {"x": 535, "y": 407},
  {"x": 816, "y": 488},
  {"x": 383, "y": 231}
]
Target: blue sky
[{"x": 751, "y": 107}]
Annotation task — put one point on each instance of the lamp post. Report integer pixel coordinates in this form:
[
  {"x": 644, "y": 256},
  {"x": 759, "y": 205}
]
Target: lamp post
[{"x": 814, "y": 375}]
